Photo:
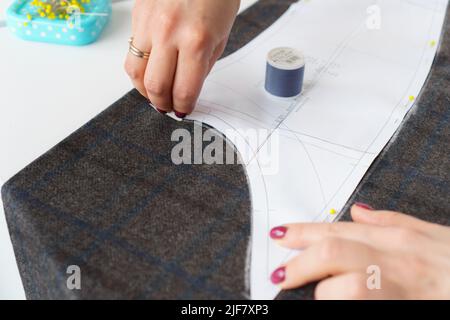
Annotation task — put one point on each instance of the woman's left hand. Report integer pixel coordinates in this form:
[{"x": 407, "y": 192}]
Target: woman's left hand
[{"x": 381, "y": 255}]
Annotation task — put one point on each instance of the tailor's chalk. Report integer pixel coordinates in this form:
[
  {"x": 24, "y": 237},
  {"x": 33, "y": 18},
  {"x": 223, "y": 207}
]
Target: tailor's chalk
[{"x": 285, "y": 70}]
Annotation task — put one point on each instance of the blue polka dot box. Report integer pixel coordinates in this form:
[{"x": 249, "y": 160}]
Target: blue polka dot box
[{"x": 67, "y": 22}]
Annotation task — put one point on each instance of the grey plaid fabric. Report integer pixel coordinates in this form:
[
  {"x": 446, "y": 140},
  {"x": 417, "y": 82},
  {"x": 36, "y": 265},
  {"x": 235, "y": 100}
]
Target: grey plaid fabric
[{"x": 109, "y": 199}]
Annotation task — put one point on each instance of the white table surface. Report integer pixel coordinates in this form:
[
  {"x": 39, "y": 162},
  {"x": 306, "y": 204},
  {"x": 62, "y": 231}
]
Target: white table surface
[{"x": 42, "y": 103}]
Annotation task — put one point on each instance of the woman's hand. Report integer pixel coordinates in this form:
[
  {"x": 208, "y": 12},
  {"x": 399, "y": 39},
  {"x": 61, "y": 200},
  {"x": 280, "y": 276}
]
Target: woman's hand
[
  {"x": 410, "y": 256},
  {"x": 184, "y": 38}
]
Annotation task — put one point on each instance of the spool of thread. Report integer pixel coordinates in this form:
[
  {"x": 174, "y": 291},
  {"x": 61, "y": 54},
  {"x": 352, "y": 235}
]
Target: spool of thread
[{"x": 285, "y": 71}]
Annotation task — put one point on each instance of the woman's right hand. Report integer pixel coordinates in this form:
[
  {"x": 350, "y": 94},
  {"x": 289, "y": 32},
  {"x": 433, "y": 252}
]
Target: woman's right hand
[{"x": 184, "y": 39}]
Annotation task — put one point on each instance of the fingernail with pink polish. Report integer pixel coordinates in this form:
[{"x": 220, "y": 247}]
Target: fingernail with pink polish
[
  {"x": 278, "y": 275},
  {"x": 180, "y": 115},
  {"x": 278, "y": 232},
  {"x": 363, "y": 206}
]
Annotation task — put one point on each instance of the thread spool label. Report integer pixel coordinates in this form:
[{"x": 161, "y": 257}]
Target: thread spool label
[{"x": 286, "y": 58}]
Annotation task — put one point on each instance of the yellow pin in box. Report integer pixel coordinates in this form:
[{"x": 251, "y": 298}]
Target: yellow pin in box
[{"x": 68, "y": 22}]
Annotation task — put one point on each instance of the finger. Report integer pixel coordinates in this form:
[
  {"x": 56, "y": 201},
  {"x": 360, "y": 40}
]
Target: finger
[
  {"x": 360, "y": 213},
  {"x": 389, "y": 239},
  {"x": 159, "y": 76},
  {"x": 357, "y": 286},
  {"x": 192, "y": 69},
  {"x": 329, "y": 257},
  {"x": 303, "y": 235},
  {"x": 135, "y": 68}
]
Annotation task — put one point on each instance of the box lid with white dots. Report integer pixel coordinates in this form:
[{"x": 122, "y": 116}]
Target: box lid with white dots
[{"x": 68, "y": 22}]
